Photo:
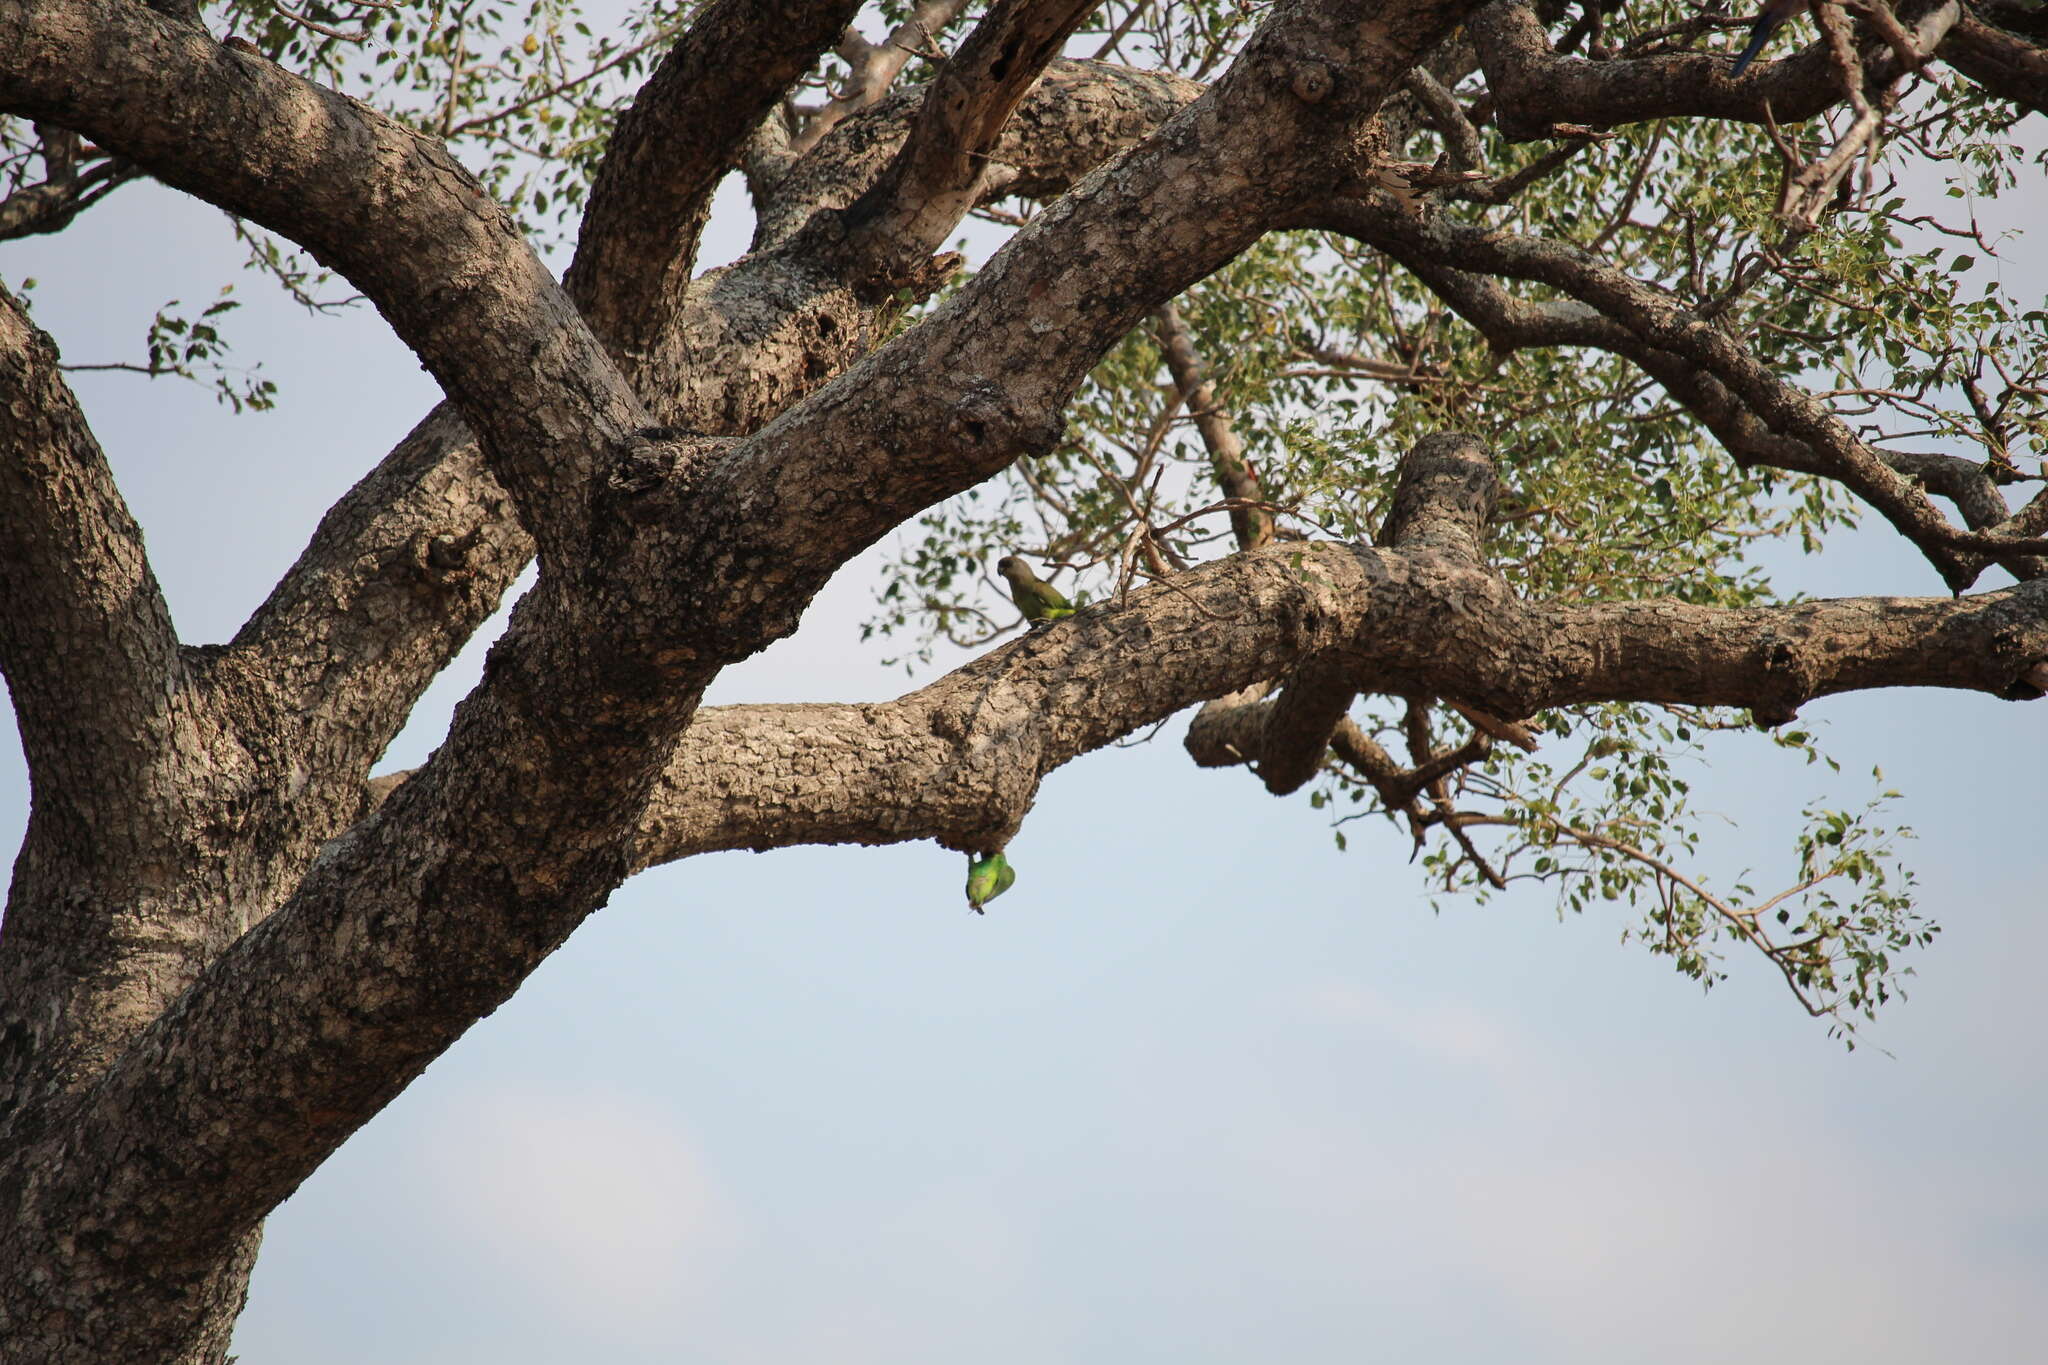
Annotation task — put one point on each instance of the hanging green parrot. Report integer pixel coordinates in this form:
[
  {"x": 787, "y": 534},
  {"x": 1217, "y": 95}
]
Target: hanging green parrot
[
  {"x": 988, "y": 876},
  {"x": 1039, "y": 600}
]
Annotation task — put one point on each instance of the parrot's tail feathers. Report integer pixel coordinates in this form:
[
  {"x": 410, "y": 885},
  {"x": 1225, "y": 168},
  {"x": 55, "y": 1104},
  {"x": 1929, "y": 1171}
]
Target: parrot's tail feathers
[{"x": 1760, "y": 35}]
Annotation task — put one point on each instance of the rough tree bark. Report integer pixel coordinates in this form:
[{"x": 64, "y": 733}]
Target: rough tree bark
[{"x": 226, "y": 948}]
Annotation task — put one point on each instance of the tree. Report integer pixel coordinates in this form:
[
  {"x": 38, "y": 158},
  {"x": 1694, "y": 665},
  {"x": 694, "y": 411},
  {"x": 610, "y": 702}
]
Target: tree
[{"x": 1315, "y": 236}]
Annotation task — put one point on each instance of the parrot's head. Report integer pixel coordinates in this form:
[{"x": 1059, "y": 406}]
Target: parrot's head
[{"x": 1012, "y": 568}]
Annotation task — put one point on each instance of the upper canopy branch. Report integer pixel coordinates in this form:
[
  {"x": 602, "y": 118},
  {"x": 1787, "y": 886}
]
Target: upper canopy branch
[
  {"x": 682, "y": 133},
  {"x": 987, "y": 376},
  {"x": 1510, "y": 323},
  {"x": 937, "y": 174},
  {"x": 1534, "y": 89},
  {"x": 1662, "y": 322}
]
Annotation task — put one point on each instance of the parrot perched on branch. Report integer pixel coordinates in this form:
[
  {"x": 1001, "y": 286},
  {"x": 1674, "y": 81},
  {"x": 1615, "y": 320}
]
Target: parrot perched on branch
[
  {"x": 988, "y": 876},
  {"x": 1039, "y": 600},
  {"x": 1776, "y": 14}
]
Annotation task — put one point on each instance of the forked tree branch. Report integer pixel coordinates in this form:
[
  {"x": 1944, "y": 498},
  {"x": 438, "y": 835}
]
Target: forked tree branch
[
  {"x": 939, "y": 172},
  {"x": 960, "y": 761}
]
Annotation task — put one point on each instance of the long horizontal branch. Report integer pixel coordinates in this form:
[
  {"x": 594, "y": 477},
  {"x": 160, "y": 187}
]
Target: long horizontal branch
[{"x": 960, "y": 761}]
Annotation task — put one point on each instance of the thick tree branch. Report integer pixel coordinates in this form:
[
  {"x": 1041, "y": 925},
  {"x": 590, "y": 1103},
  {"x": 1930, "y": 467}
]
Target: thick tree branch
[
  {"x": 2003, "y": 62},
  {"x": 874, "y": 66},
  {"x": 102, "y": 694},
  {"x": 395, "y": 579},
  {"x": 959, "y": 761},
  {"x": 1077, "y": 116},
  {"x": 386, "y": 207},
  {"x": 85, "y": 638}
]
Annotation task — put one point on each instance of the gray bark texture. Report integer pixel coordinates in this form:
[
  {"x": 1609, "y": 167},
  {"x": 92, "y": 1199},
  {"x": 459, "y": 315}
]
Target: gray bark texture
[{"x": 226, "y": 948}]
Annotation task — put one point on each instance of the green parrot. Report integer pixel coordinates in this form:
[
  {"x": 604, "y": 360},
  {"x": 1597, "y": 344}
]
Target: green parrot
[
  {"x": 988, "y": 876},
  {"x": 1039, "y": 600}
]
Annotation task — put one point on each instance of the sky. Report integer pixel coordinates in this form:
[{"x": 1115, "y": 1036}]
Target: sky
[{"x": 1201, "y": 1088}]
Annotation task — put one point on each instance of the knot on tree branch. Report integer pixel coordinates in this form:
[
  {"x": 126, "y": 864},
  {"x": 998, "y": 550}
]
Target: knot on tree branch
[
  {"x": 650, "y": 469},
  {"x": 1785, "y": 681},
  {"x": 1312, "y": 80},
  {"x": 2031, "y": 685},
  {"x": 446, "y": 559},
  {"x": 878, "y": 277},
  {"x": 1445, "y": 498},
  {"x": 984, "y": 417}
]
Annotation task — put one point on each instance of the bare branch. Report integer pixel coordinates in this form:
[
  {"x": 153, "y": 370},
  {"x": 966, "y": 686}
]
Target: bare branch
[
  {"x": 684, "y": 131},
  {"x": 875, "y": 67},
  {"x": 52, "y": 205},
  {"x": 1235, "y": 476},
  {"x": 944, "y": 163}
]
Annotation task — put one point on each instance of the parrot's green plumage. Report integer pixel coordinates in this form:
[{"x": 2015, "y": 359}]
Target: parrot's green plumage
[
  {"x": 988, "y": 876},
  {"x": 1039, "y": 600}
]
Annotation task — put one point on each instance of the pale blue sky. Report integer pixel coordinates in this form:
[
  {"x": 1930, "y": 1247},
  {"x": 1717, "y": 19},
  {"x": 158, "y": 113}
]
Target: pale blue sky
[{"x": 1200, "y": 1089}]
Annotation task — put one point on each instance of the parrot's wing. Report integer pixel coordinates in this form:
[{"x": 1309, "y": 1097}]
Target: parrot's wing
[{"x": 1051, "y": 596}]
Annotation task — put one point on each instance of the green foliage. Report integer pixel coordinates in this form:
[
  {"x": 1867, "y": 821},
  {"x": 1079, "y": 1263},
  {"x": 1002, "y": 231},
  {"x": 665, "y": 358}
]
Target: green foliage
[{"x": 190, "y": 347}]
